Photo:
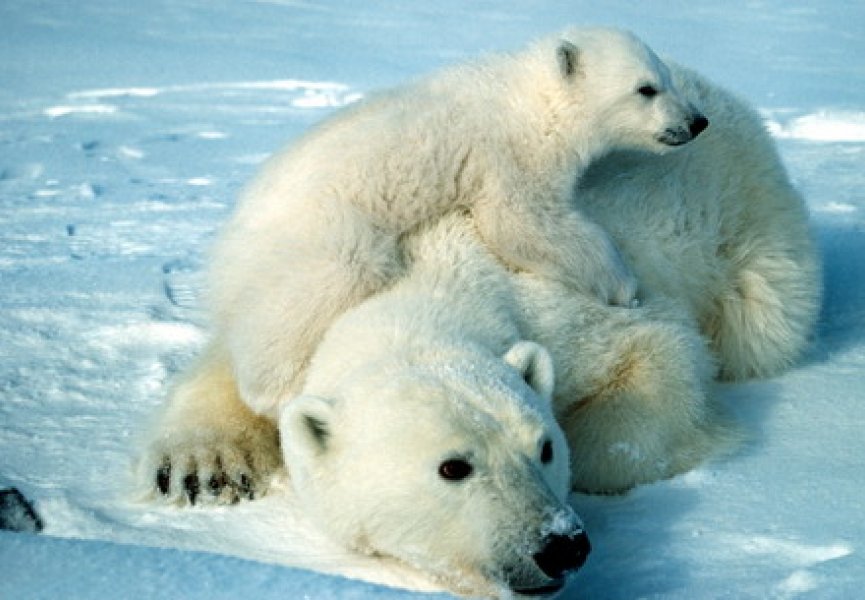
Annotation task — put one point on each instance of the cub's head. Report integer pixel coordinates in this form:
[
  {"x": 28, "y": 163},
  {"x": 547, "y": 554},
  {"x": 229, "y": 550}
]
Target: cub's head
[
  {"x": 457, "y": 468},
  {"x": 614, "y": 89}
]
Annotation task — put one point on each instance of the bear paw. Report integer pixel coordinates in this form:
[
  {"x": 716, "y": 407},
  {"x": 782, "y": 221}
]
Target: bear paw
[
  {"x": 603, "y": 271},
  {"x": 209, "y": 467},
  {"x": 621, "y": 289},
  {"x": 613, "y": 283}
]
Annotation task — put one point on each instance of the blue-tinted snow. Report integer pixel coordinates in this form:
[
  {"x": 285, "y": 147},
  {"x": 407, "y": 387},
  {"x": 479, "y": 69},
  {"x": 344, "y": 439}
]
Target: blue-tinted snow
[{"x": 125, "y": 132}]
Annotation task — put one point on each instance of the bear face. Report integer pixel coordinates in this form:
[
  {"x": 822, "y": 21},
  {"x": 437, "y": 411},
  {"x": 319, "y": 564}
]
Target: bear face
[
  {"x": 457, "y": 468},
  {"x": 625, "y": 90}
]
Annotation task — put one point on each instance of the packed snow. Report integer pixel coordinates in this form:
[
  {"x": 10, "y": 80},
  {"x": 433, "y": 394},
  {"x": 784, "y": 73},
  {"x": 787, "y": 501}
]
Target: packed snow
[{"x": 126, "y": 130}]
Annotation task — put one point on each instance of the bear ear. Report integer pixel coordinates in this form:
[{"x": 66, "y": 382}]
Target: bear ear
[
  {"x": 535, "y": 365},
  {"x": 568, "y": 57},
  {"x": 305, "y": 425}
]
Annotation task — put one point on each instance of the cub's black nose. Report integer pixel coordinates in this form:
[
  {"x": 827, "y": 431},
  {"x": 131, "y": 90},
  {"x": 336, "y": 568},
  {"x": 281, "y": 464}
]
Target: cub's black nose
[
  {"x": 563, "y": 553},
  {"x": 698, "y": 125}
]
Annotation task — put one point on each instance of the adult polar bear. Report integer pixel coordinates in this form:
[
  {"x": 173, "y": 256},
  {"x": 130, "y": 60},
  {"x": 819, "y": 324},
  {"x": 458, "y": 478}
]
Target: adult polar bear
[
  {"x": 504, "y": 138},
  {"x": 720, "y": 243}
]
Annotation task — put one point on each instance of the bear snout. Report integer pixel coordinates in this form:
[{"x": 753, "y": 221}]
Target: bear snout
[
  {"x": 562, "y": 553},
  {"x": 684, "y": 133}
]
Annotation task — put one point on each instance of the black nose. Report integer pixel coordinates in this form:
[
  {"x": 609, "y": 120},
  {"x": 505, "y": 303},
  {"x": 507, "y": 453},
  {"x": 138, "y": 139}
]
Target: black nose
[
  {"x": 698, "y": 125},
  {"x": 563, "y": 553}
]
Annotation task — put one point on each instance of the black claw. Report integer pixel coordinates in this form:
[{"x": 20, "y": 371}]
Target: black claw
[
  {"x": 216, "y": 484},
  {"x": 192, "y": 487},
  {"x": 163, "y": 478},
  {"x": 245, "y": 487}
]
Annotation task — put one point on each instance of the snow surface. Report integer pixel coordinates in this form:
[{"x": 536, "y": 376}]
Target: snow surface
[{"x": 126, "y": 129}]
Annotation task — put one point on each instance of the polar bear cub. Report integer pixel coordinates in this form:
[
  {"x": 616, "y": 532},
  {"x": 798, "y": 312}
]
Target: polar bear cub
[{"x": 321, "y": 226}]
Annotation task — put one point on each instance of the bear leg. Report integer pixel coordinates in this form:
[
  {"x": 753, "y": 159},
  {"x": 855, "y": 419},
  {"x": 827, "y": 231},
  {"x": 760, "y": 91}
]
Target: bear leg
[
  {"x": 207, "y": 446},
  {"x": 632, "y": 386},
  {"x": 764, "y": 314},
  {"x": 646, "y": 413},
  {"x": 287, "y": 297}
]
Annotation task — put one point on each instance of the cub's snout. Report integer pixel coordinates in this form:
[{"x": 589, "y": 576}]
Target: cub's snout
[
  {"x": 697, "y": 125},
  {"x": 693, "y": 126}
]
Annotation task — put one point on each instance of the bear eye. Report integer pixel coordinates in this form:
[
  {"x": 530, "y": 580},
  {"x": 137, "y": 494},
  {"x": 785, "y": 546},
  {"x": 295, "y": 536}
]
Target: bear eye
[
  {"x": 547, "y": 452},
  {"x": 455, "y": 469},
  {"x": 647, "y": 91}
]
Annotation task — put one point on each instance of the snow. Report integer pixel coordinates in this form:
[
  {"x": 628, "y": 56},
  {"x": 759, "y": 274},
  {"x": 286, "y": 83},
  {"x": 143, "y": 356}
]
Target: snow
[
  {"x": 125, "y": 132},
  {"x": 79, "y": 569},
  {"x": 823, "y": 126}
]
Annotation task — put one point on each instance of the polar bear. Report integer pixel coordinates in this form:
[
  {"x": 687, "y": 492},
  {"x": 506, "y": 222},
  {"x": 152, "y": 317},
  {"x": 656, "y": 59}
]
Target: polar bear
[
  {"x": 425, "y": 409},
  {"x": 504, "y": 138},
  {"x": 422, "y": 409}
]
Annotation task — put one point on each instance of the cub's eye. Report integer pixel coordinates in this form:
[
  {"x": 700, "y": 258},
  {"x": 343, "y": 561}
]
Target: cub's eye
[
  {"x": 455, "y": 469},
  {"x": 647, "y": 91},
  {"x": 547, "y": 452}
]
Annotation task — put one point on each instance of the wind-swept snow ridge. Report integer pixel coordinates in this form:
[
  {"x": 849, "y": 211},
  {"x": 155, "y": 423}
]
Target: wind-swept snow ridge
[{"x": 300, "y": 94}]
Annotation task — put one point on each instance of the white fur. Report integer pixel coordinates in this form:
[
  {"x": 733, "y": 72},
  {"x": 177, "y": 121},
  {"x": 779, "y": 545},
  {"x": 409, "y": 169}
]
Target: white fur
[
  {"x": 205, "y": 444},
  {"x": 719, "y": 227},
  {"x": 412, "y": 377},
  {"x": 729, "y": 284},
  {"x": 504, "y": 138}
]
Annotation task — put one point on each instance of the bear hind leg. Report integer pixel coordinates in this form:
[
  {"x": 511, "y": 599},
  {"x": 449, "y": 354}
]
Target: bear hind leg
[
  {"x": 762, "y": 321},
  {"x": 647, "y": 415}
]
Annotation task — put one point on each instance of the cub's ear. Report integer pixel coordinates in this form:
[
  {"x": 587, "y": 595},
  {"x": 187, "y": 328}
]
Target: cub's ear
[
  {"x": 568, "y": 57},
  {"x": 305, "y": 426},
  {"x": 535, "y": 364}
]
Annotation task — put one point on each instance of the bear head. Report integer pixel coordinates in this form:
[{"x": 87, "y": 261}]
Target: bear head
[
  {"x": 611, "y": 82},
  {"x": 455, "y": 466}
]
